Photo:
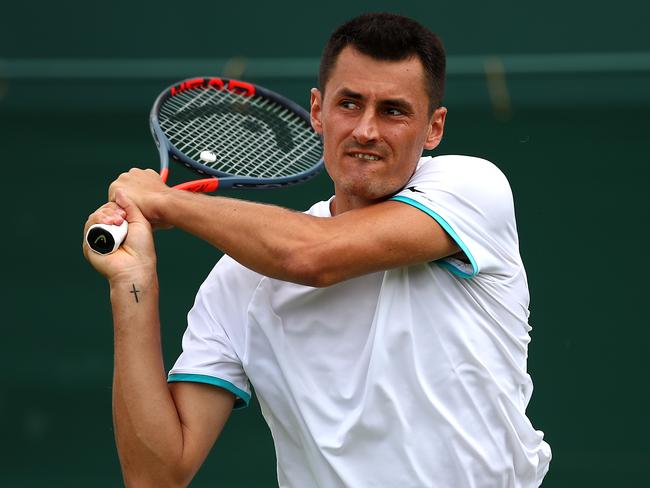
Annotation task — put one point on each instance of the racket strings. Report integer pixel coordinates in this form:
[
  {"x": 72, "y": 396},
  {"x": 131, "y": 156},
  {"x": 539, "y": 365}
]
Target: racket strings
[
  {"x": 245, "y": 162},
  {"x": 281, "y": 158},
  {"x": 250, "y": 136}
]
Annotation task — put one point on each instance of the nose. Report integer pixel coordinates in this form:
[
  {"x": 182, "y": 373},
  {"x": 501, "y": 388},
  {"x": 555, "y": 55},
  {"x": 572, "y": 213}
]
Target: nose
[{"x": 366, "y": 130}]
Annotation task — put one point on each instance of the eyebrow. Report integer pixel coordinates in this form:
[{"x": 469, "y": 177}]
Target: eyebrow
[{"x": 389, "y": 102}]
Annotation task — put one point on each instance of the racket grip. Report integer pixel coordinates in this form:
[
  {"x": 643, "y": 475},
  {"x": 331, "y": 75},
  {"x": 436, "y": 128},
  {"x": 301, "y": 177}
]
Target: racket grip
[{"x": 105, "y": 238}]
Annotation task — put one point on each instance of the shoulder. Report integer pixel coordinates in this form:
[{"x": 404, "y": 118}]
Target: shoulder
[
  {"x": 465, "y": 177},
  {"x": 471, "y": 200},
  {"x": 459, "y": 168}
]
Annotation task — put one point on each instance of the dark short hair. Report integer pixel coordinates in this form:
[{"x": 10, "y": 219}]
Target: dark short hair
[{"x": 389, "y": 37}]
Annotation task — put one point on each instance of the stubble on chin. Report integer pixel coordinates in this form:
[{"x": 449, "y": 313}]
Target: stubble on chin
[{"x": 368, "y": 189}]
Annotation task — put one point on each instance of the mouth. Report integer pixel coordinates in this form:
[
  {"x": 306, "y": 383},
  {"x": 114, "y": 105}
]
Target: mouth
[{"x": 365, "y": 156}]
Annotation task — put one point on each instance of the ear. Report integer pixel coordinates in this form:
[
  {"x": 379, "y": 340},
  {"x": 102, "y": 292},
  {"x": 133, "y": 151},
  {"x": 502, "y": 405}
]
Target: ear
[
  {"x": 316, "y": 110},
  {"x": 436, "y": 129}
]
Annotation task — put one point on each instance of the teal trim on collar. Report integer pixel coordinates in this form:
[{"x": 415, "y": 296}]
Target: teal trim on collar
[
  {"x": 242, "y": 399},
  {"x": 448, "y": 229}
]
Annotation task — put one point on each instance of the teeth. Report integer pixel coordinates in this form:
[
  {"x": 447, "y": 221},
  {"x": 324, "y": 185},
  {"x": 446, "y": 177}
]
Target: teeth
[{"x": 369, "y": 157}]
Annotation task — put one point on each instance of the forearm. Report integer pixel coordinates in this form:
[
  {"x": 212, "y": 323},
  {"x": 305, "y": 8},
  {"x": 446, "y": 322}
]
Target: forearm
[
  {"x": 268, "y": 239},
  {"x": 147, "y": 427}
]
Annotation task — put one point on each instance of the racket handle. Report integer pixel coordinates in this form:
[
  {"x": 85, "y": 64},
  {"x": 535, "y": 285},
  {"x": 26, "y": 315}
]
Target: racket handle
[{"x": 105, "y": 238}]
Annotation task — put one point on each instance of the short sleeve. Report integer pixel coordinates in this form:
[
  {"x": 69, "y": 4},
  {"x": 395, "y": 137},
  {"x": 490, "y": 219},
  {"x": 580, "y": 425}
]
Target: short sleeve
[
  {"x": 211, "y": 349},
  {"x": 471, "y": 200}
]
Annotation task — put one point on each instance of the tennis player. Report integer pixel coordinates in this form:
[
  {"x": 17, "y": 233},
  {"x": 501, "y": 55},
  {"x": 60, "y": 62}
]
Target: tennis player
[{"x": 385, "y": 330}]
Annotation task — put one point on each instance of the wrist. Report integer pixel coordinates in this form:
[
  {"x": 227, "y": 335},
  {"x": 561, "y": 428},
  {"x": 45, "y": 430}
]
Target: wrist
[
  {"x": 133, "y": 292},
  {"x": 143, "y": 277},
  {"x": 161, "y": 203}
]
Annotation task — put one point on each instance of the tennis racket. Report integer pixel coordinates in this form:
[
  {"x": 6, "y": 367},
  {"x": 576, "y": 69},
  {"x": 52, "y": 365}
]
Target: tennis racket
[{"x": 237, "y": 134}]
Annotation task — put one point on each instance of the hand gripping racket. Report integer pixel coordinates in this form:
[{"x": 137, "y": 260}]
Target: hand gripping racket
[{"x": 238, "y": 134}]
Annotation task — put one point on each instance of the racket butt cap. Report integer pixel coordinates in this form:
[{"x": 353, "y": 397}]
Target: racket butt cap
[{"x": 105, "y": 238}]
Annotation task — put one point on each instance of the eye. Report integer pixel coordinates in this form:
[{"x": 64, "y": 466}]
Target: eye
[
  {"x": 349, "y": 104},
  {"x": 395, "y": 112}
]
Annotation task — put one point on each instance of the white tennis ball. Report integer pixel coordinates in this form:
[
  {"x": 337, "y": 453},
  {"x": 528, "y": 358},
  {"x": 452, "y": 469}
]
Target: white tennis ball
[{"x": 208, "y": 156}]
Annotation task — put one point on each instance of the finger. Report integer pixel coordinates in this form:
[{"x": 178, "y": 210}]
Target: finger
[
  {"x": 132, "y": 211},
  {"x": 111, "y": 191},
  {"x": 109, "y": 213},
  {"x": 118, "y": 183},
  {"x": 113, "y": 208},
  {"x": 111, "y": 217}
]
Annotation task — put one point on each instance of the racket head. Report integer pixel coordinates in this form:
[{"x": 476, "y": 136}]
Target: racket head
[{"x": 240, "y": 133}]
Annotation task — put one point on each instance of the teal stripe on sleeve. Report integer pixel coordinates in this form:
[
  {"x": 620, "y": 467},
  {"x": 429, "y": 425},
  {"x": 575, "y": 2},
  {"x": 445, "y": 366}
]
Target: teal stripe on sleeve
[
  {"x": 449, "y": 230},
  {"x": 242, "y": 398}
]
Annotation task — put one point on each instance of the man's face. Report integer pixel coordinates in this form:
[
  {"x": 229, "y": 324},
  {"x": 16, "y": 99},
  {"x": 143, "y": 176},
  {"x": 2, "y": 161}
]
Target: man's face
[{"x": 375, "y": 122}]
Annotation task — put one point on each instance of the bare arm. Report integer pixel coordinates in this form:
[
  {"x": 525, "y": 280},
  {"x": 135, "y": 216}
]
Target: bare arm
[
  {"x": 315, "y": 251},
  {"x": 292, "y": 246},
  {"x": 163, "y": 432}
]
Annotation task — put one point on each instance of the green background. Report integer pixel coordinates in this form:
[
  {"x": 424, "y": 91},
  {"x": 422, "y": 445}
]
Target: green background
[{"x": 555, "y": 93}]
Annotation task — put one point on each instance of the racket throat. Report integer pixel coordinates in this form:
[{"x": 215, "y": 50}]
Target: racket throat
[{"x": 206, "y": 185}]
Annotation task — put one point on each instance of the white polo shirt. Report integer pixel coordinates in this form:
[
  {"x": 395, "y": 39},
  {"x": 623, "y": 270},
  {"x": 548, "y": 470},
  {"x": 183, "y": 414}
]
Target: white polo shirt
[{"x": 413, "y": 377}]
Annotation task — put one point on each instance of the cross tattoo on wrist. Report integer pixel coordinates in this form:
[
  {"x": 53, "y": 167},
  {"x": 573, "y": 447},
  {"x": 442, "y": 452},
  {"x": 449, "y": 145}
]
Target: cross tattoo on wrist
[{"x": 135, "y": 293}]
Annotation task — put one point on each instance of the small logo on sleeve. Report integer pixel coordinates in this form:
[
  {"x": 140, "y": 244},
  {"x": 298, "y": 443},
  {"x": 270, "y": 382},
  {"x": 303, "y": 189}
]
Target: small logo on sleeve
[{"x": 413, "y": 189}]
